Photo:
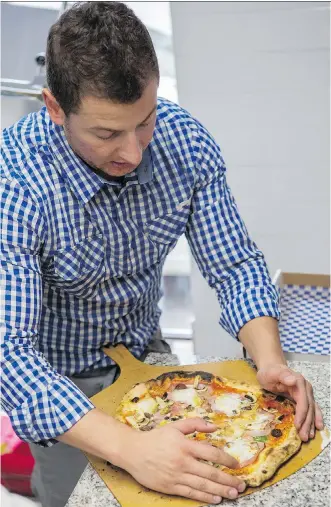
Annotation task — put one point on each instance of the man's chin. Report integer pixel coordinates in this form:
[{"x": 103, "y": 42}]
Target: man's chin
[
  {"x": 106, "y": 170},
  {"x": 114, "y": 171},
  {"x": 107, "y": 173}
]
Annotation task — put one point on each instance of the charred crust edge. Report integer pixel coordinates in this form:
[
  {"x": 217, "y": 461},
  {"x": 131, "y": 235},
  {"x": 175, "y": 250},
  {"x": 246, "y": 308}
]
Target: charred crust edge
[{"x": 207, "y": 377}]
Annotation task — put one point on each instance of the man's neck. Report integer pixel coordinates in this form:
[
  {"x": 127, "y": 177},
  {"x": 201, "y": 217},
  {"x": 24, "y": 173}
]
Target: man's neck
[
  {"x": 105, "y": 176},
  {"x": 102, "y": 174}
]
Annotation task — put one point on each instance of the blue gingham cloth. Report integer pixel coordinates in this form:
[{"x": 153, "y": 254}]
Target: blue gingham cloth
[
  {"x": 82, "y": 258},
  {"x": 305, "y": 322}
]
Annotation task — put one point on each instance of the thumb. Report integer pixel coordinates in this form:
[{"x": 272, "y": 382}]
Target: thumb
[
  {"x": 271, "y": 373},
  {"x": 187, "y": 426},
  {"x": 277, "y": 374}
]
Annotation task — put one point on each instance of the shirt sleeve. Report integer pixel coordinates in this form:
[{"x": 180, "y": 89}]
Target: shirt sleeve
[
  {"x": 226, "y": 256},
  {"x": 41, "y": 403}
]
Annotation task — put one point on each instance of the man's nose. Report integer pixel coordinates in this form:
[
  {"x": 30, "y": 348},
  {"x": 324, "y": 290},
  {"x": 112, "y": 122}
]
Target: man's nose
[{"x": 131, "y": 149}]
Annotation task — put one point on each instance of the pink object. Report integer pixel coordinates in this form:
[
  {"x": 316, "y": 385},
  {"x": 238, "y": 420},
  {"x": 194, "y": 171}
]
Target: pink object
[
  {"x": 16, "y": 460},
  {"x": 9, "y": 439}
]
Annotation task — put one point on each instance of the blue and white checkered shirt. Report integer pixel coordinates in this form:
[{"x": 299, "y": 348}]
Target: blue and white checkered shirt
[{"x": 82, "y": 258}]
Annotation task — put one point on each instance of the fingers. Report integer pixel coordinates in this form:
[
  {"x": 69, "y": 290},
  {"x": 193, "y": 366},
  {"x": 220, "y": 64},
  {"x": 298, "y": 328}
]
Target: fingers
[
  {"x": 307, "y": 428},
  {"x": 286, "y": 381},
  {"x": 205, "y": 486},
  {"x": 187, "y": 426},
  {"x": 302, "y": 393},
  {"x": 313, "y": 418},
  {"x": 288, "y": 377},
  {"x": 194, "y": 494},
  {"x": 311, "y": 427},
  {"x": 214, "y": 475},
  {"x": 280, "y": 387},
  {"x": 300, "y": 396},
  {"x": 318, "y": 417},
  {"x": 271, "y": 374},
  {"x": 213, "y": 454},
  {"x": 308, "y": 414}
]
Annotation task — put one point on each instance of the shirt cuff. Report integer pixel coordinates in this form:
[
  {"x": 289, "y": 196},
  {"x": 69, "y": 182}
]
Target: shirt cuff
[
  {"x": 254, "y": 302},
  {"x": 50, "y": 412}
]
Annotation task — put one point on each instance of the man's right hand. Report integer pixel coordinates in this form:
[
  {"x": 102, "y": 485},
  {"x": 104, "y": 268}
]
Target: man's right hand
[
  {"x": 161, "y": 459},
  {"x": 164, "y": 460}
]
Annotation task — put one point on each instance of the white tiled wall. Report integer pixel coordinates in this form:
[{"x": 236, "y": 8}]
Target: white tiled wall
[{"x": 257, "y": 75}]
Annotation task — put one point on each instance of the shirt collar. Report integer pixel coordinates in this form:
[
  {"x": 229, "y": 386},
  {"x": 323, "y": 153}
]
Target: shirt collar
[
  {"x": 145, "y": 168},
  {"x": 82, "y": 180},
  {"x": 141, "y": 175}
]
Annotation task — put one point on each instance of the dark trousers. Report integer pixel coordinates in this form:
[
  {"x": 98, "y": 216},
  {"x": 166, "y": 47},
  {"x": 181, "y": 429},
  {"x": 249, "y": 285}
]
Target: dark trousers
[{"x": 58, "y": 468}]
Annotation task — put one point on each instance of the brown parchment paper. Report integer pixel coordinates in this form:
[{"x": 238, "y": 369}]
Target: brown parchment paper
[{"x": 124, "y": 488}]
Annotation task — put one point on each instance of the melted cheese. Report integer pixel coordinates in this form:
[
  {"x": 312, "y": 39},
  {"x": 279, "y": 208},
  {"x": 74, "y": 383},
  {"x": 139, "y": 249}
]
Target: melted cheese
[
  {"x": 138, "y": 391},
  {"x": 188, "y": 396},
  {"x": 260, "y": 421},
  {"x": 241, "y": 450},
  {"x": 131, "y": 420},
  {"x": 229, "y": 404},
  {"x": 233, "y": 432},
  {"x": 148, "y": 405},
  {"x": 262, "y": 418}
]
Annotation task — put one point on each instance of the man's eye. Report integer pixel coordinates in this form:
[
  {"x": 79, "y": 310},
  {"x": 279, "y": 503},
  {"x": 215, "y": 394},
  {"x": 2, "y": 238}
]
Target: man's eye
[
  {"x": 105, "y": 138},
  {"x": 144, "y": 125}
]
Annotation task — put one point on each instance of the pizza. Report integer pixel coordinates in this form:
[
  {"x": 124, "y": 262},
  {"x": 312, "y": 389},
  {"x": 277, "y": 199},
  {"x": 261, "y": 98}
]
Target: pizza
[{"x": 254, "y": 426}]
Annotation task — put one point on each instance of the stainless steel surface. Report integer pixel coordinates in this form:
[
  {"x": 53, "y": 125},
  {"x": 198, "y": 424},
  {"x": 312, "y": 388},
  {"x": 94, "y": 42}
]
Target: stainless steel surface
[
  {"x": 18, "y": 98},
  {"x": 20, "y": 92}
]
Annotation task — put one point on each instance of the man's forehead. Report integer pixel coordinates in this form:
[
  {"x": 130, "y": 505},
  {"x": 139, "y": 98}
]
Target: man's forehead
[
  {"x": 105, "y": 109},
  {"x": 113, "y": 116},
  {"x": 106, "y": 114}
]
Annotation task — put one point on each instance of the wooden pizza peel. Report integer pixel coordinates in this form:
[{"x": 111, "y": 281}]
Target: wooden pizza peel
[{"x": 124, "y": 488}]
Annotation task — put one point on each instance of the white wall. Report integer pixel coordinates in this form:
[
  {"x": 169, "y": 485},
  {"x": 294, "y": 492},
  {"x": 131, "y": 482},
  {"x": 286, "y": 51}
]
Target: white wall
[
  {"x": 257, "y": 75},
  {"x": 24, "y": 33}
]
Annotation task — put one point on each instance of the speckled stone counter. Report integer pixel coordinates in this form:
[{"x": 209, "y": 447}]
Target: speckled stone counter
[{"x": 309, "y": 487}]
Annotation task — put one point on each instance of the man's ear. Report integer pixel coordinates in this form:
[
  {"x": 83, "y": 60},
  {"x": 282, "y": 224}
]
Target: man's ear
[{"x": 54, "y": 109}]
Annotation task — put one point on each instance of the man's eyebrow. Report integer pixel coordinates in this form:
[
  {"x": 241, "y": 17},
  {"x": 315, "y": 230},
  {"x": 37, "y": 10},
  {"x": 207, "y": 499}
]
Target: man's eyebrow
[
  {"x": 150, "y": 114},
  {"x": 115, "y": 131}
]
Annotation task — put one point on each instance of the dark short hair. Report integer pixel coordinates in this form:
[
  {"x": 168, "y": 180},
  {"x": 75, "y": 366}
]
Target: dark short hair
[{"x": 100, "y": 49}]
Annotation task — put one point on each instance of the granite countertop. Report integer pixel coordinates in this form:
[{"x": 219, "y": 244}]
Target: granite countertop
[{"x": 307, "y": 487}]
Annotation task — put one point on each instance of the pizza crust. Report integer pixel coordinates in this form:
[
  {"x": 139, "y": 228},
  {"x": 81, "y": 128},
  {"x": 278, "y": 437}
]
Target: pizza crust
[
  {"x": 241, "y": 385},
  {"x": 271, "y": 458},
  {"x": 185, "y": 375}
]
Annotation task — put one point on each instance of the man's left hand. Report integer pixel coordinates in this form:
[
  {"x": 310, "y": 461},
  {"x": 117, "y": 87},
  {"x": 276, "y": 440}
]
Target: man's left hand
[{"x": 279, "y": 378}]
